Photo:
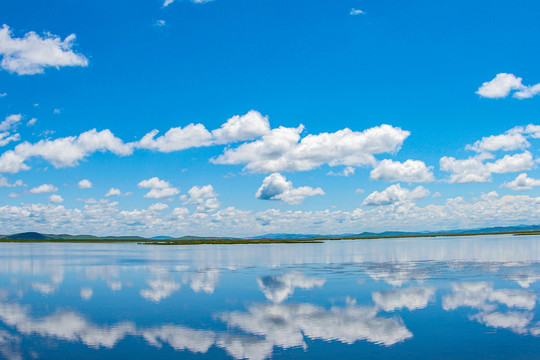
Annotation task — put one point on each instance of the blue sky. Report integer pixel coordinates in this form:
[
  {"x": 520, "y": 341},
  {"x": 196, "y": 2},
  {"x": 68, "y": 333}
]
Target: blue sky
[{"x": 429, "y": 108}]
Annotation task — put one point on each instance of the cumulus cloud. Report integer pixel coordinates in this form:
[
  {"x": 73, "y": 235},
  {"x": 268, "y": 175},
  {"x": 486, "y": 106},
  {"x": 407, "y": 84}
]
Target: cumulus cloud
[
  {"x": 408, "y": 171},
  {"x": 84, "y": 184},
  {"x": 158, "y": 207},
  {"x": 5, "y": 183},
  {"x": 104, "y": 217},
  {"x": 395, "y": 193},
  {"x": 283, "y": 149},
  {"x": 237, "y": 128},
  {"x": 513, "y": 139},
  {"x": 175, "y": 139},
  {"x": 45, "y": 188},
  {"x": 56, "y": 198},
  {"x": 32, "y": 53},
  {"x": 10, "y": 122},
  {"x": 242, "y": 128},
  {"x": 503, "y": 84},
  {"x": 116, "y": 192},
  {"x": 158, "y": 188},
  {"x": 203, "y": 197},
  {"x": 63, "y": 152},
  {"x": 276, "y": 187},
  {"x": 348, "y": 170},
  {"x": 522, "y": 182},
  {"x": 475, "y": 170},
  {"x": 279, "y": 288},
  {"x": 7, "y": 126}
]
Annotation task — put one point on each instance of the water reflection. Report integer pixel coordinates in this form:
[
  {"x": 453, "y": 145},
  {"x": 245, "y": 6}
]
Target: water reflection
[{"x": 262, "y": 301}]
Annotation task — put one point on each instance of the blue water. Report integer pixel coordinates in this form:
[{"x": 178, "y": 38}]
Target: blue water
[{"x": 424, "y": 298}]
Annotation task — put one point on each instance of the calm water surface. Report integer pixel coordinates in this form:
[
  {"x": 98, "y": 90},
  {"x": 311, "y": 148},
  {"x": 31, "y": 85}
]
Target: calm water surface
[{"x": 434, "y": 298}]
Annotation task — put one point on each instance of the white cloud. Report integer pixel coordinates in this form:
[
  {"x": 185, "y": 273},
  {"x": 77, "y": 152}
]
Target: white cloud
[
  {"x": 395, "y": 193},
  {"x": 158, "y": 207},
  {"x": 2, "y": 95},
  {"x": 528, "y": 92},
  {"x": 32, "y": 53},
  {"x": 471, "y": 170},
  {"x": 190, "y": 136},
  {"x": 503, "y": 84},
  {"x": 160, "y": 23},
  {"x": 276, "y": 187},
  {"x": 533, "y": 131},
  {"x": 522, "y": 182},
  {"x": 512, "y": 163},
  {"x": 56, "y": 198},
  {"x": 87, "y": 293},
  {"x": 7, "y": 126},
  {"x": 474, "y": 170},
  {"x": 204, "y": 197},
  {"x": 113, "y": 192},
  {"x": 158, "y": 188},
  {"x": 237, "y": 128},
  {"x": 283, "y": 150},
  {"x": 348, "y": 170},
  {"x": 279, "y": 288},
  {"x": 5, "y": 183},
  {"x": 63, "y": 152},
  {"x": 167, "y": 3},
  {"x": 10, "y": 122},
  {"x": 104, "y": 217},
  {"x": 513, "y": 139},
  {"x": 408, "y": 171},
  {"x": 411, "y": 298},
  {"x": 500, "y": 86},
  {"x": 356, "y": 12},
  {"x": 241, "y": 128},
  {"x": 31, "y": 122},
  {"x": 45, "y": 188},
  {"x": 84, "y": 184}
]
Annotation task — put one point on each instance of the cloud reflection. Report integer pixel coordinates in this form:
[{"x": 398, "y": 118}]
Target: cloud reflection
[{"x": 279, "y": 288}]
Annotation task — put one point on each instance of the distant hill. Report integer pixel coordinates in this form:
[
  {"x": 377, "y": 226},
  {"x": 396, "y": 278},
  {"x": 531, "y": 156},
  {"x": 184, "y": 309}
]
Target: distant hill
[
  {"x": 161, "y": 238},
  {"x": 496, "y": 229},
  {"x": 26, "y": 236},
  {"x": 277, "y": 236}
]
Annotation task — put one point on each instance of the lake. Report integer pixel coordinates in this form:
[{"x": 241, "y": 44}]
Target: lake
[{"x": 437, "y": 298}]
